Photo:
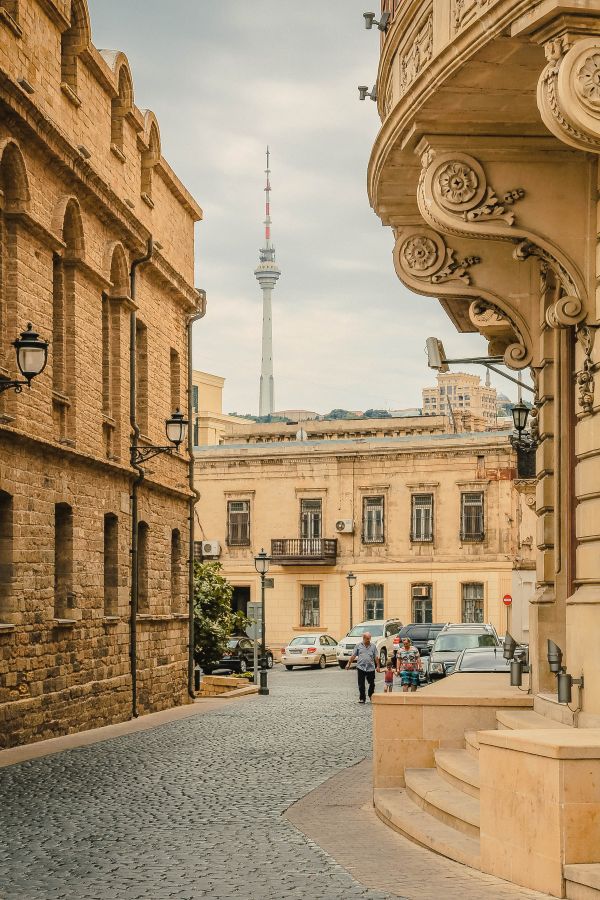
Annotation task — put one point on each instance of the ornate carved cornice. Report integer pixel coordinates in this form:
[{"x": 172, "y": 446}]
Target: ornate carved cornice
[{"x": 568, "y": 94}]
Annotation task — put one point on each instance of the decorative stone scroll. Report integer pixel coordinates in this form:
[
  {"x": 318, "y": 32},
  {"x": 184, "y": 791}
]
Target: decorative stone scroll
[
  {"x": 423, "y": 254},
  {"x": 569, "y": 91},
  {"x": 456, "y": 184},
  {"x": 501, "y": 332}
]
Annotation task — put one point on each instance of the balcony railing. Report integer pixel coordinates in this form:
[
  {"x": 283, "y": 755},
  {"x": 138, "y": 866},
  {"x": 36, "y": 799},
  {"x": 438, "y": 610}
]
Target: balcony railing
[{"x": 304, "y": 551}]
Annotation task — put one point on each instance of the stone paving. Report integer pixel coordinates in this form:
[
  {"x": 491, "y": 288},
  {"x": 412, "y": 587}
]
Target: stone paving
[
  {"x": 189, "y": 810},
  {"x": 195, "y": 809}
]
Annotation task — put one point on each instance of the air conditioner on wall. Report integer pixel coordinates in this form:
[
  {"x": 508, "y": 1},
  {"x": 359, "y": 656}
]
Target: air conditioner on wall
[
  {"x": 420, "y": 592},
  {"x": 211, "y": 548},
  {"x": 345, "y": 526}
]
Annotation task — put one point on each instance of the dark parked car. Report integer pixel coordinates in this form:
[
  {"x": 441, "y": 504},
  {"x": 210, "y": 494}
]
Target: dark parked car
[
  {"x": 420, "y": 635},
  {"x": 239, "y": 656},
  {"x": 482, "y": 659}
]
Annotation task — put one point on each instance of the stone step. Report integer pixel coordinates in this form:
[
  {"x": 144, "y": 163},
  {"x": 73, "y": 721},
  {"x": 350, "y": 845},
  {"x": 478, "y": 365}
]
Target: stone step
[
  {"x": 443, "y": 801},
  {"x": 472, "y": 744},
  {"x": 515, "y": 719},
  {"x": 396, "y": 809},
  {"x": 459, "y": 769},
  {"x": 582, "y": 881}
]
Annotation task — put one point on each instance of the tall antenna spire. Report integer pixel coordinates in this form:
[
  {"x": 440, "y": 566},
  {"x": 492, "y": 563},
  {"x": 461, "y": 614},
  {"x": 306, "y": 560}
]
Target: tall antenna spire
[{"x": 267, "y": 272}]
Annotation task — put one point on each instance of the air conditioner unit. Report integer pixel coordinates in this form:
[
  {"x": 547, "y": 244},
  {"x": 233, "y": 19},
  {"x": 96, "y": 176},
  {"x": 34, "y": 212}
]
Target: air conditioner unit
[
  {"x": 420, "y": 592},
  {"x": 345, "y": 526},
  {"x": 211, "y": 548}
]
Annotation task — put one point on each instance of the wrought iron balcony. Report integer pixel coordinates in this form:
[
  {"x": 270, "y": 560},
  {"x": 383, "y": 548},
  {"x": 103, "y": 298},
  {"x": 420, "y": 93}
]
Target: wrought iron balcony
[{"x": 304, "y": 551}]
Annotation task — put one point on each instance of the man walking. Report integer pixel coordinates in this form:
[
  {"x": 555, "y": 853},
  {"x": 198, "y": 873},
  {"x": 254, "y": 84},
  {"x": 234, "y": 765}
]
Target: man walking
[{"x": 367, "y": 664}]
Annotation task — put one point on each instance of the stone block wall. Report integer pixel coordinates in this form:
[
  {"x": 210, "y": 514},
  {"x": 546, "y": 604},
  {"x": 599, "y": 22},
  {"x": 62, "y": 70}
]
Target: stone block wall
[{"x": 83, "y": 186}]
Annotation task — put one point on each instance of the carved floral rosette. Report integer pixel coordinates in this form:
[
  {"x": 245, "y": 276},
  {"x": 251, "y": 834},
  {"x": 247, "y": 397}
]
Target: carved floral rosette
[
  {"x": 421, "y": 256},
  {"x": 455, "y": 196},
  {"x": 568, "y": 93}
]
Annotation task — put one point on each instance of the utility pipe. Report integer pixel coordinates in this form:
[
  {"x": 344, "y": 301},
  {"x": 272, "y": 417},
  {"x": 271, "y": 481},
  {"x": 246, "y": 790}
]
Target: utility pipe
[
  {"x": 194, "y": 496},
  {"x": 135, "y": 434}
]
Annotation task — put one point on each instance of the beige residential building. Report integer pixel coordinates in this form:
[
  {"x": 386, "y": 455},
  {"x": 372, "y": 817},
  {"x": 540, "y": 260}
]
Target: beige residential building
[
  {"x": 456, "y": 392},
  {"x": 83, "y": 186},
  {"x": 486, "y": 170},
  {"x": 209, "y": 422},
  {"x": 428, "y": 521}
]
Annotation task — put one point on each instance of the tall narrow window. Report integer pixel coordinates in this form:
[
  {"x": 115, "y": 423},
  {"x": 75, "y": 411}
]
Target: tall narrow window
[
  {"x": 196, "y": 431},
  {"x": 73, "y": 41},
  {"x": 175, "y": 380},
  {"x": 175, "y": 569},
  {"x": 141, "y": 376},
  {"x": 150, "y": 158},
  {"x": 373, "y": 523},
  {"x": 12, "y": 8},
  {"x": 6, "y": 556},
  {"x": 471, "y": 516},
  {"x": 111, "y": 564},
  {"x": 64, "y": 598},
  {"x": 472, "y": 602},
  {"x": 310, "y": 606},
  {"x": 195, "y": 397},
  {"x": 422, "y": 517},
  {"x": 120, "y": 106},
  {"x": 142, "y": 567},
  {"x": 106, "y": 357},
  {"x": 373, "y": 607},
  {"x": 238, "y": 523},
  {"x": 422, "y": 603},
  {"x": 58, "y": 325},
  {"x": 310, "y": 519}
]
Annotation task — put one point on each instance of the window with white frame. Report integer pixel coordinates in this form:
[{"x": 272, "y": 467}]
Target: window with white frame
[
  {"x": 373, "y": 522},
  {"x": 422, "y": 603},
  {"x": 310, "y": 606},
  {"x": 238, "y": 523},
  {"x": 471, "y": 516},
  {"x": 373, "y": 605},
  {"x": 421, "y": 517},
  {"x": 472, "y": 602}
]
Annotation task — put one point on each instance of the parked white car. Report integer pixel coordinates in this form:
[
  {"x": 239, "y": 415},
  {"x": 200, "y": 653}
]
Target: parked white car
[
  {"x": 316, "y": 650},
  {"x": 382, "y": 635}
]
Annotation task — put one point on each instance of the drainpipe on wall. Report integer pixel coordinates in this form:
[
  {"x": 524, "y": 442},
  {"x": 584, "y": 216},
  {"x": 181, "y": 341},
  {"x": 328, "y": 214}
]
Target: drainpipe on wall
[
  {"x": 195, "y": 496},
  {"x": 135, "y": 434}
]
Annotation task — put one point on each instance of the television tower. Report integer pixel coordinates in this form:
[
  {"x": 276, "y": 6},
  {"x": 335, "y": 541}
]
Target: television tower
[{"x": 267, "y": 272}]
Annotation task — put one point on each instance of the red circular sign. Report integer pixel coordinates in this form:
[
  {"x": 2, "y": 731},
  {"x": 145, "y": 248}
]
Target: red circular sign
[{"x": 507, "y": 600}]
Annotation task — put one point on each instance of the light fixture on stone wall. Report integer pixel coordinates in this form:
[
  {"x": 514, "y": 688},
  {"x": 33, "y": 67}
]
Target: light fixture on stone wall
[
  {"x": 370, "y": 20},
  {"x": 564, "y": 680},
  {"x": 363, "y": 92},
  {"x": 175, "y": 427},
  {"x": 32, "y": 356},
  {"x": 519, "y": 660}
]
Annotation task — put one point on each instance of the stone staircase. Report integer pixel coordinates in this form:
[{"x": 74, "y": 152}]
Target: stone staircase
[{"x": 439, "y": 807}]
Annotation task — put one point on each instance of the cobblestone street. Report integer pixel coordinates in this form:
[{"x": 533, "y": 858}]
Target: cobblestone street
[{"x": 194, "y": 809}]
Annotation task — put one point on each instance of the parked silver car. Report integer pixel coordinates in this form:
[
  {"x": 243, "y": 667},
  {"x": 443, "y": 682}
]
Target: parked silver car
[{"x": 382, "y": 634}]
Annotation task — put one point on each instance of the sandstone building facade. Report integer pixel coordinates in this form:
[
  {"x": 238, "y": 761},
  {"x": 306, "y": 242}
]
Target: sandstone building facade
[
  {"x": 429, "y": 522},
  {"x": 83, "y": 188},
  {"x": 459, "y": 391},
  {"x": 486, "y": 170}
]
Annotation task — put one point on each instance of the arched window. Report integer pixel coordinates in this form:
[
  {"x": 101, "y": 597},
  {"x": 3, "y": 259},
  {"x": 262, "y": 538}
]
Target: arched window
[
  {"x": 142, "y": 567},
  {"x": 111, "y": 564},
  {"x": 63, "y": 322},
  {"x": 6, "y": 556},
  {"x": 141, "y": 377},
  {"x": 175, "y": 569},
  {"x": 12, "y": 8},
  {"x": 14, "y": 197},
  {"x": 175, "y": 378},
  {"x": 111, "y": 361},
  {"x": 73, "y": 41},
  {"x": 121, "y": 105},
  {"x": 150, "y": 158}
]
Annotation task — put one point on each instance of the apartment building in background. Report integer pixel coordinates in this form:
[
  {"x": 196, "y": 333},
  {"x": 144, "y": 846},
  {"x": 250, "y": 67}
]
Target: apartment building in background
[{"x": 457, "y": 392}]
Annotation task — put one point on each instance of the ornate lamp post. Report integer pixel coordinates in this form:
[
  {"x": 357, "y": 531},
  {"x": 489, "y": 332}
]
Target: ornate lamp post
[
  {"x": 351, "y": 579},
  {"x": 175, "y": 428},
  {"x": 261, "y": 564},
  {"x": 32, "y": 356}
]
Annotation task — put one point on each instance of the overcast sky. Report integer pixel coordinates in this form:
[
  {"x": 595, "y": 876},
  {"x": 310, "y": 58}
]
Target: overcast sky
[{"x": 226, "y": 77}]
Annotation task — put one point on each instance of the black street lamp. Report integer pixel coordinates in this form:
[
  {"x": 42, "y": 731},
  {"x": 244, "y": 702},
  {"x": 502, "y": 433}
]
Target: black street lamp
[
  {"x": 520, "y": 414},
  {"x": 175, "y": 428},
  {"x": 32, "y": 356},
  {"x": 351, "y": 579},
  {"x": 524, "y": 443},
  {"x": 261, "y": 564}
]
